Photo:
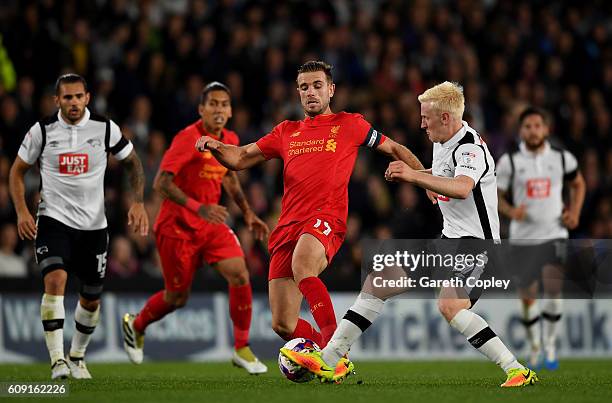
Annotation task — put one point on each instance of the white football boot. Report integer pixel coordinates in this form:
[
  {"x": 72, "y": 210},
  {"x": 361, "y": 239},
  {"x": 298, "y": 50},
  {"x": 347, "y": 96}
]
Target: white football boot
[
  {"x": 78, "y": 368},
  {"x": 60, "y": 369},
  {"x": 133, "y": 342},
  {"x": 244, "y": 358}
]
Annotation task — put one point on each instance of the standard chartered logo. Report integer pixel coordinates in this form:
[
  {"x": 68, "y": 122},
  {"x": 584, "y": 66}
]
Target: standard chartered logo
[
  {"x": 311, "y": 146},
  {"x": 331, "y": 145}
]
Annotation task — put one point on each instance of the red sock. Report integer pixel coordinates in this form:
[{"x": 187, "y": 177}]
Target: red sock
[
  {"x": 155, "y": 309},
  {"x": 241, "y": 307},
  {"x": 305, "y": 330},
  {"x": 321, "y": 306}
]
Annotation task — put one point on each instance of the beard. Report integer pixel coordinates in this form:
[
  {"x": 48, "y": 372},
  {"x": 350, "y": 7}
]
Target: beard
[
  {"x": 73, "y": 118},
  {"x": 313, "y": 113},
  {"x": 535, "y": 144}
]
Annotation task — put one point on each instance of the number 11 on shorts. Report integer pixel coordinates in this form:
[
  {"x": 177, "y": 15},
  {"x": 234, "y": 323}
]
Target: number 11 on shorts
[{"x": 325, "y": 224}]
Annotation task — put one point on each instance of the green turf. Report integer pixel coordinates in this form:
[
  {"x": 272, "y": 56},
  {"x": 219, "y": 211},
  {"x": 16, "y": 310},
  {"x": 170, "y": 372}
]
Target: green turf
[{"x": 461, "y": 381}]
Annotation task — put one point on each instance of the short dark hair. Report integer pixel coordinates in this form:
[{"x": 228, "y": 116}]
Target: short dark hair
[
  {"x": 69, "y": 78},
  {"x": 317, "y": 65},
  {"x": 533, "y": 110},
  {"x": 213, "y": 86}
]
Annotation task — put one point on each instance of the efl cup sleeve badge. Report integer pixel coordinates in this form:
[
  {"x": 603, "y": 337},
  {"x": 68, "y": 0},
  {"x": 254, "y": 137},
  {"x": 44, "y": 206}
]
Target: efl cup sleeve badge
[{"x": 468, "y": 157}]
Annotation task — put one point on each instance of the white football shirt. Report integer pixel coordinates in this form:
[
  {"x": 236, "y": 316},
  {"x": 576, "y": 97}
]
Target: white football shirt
[
  {"x": 476, "y": 216},
  {"x": 72, "y": 167},
  {"x": 537, "y": 183}
]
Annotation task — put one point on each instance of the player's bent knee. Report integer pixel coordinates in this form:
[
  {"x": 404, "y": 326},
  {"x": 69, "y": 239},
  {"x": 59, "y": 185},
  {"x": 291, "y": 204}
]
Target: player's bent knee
[
  {"x": 55, "y": 282},
  {"x": 89, "y": 305},
  {"x": 528, "y": 301},
  {"x": 178, "y": 304},
  {"x": 282, "y": 329},
  {"x": 181, "y": 301},
  {"x": 302, "y": 271},
  {"x": 176, "y": 299},
  {"x": 240, "y": 278},
  {"x": 450, "y": 307}
]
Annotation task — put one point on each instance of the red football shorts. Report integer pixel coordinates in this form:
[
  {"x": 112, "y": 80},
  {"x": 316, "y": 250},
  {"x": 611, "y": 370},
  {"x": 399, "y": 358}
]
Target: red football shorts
[
  {"x": 328, "y": 230},
  {"x": 181, "y": 257}
]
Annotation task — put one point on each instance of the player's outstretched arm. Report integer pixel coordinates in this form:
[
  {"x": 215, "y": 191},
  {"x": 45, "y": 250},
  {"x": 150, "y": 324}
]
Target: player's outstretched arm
[
  {"x": 458, "y": 187},
  {"x": 232, "y": 157},
  {"x": 232, "y": 186},
  {"x": 164, "y": 185},
  {"x": 399, "y": 152},
  {"x": 26, "y": 226}
]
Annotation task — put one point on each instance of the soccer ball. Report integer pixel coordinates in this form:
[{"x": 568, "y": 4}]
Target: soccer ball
[{"x": 294, "y": 372}]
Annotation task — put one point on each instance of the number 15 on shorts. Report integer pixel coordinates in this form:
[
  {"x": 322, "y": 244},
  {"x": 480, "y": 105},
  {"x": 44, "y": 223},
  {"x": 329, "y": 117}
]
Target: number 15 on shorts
[{"x": 325, "y": 225}]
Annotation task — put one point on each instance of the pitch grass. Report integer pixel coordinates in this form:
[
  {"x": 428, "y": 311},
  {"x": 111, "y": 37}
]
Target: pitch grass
[{"x": 392, "y": 382}]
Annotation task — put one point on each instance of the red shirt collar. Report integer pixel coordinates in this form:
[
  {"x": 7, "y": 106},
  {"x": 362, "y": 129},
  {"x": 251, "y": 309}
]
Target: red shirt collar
[{"x": 319, "y": 118}]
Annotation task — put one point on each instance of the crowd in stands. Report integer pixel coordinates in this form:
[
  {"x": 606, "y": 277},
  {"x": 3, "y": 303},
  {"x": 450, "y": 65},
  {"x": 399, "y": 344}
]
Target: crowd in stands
[{"x": 146, "y": 62}]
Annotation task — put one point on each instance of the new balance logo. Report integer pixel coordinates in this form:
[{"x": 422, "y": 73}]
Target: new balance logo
[{"x": 295, "y": 134}]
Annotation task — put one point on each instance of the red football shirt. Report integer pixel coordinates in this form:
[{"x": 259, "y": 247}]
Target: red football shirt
[
  {"x": 198, "y": 175},
  {"x": 319, "y": 155}
]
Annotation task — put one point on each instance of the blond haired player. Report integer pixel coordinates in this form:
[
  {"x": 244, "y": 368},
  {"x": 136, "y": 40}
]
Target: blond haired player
[{"x": 463, "y": 176}]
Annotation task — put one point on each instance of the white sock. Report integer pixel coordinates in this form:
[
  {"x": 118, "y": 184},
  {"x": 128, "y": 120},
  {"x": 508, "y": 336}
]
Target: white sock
[
  {"x": 551, "y": 313},
  {"x": 357, "y": 319},
  {"x": 85, "y": 323},
  {"x": 481, "y": 337},
  {"x": 52, "y": 315},
  {"x": 531, "y": 320}
]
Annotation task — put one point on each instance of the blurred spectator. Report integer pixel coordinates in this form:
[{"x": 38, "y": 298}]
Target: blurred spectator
[
  {"x": 7, "y": 212},
  {"x": 152, "y": 158},
  {"x": 11, "y": 127},
  {"x": 11, "y": 264},
  {"x": 139, "y": 123},
  {"x": 121, "y": 261}
]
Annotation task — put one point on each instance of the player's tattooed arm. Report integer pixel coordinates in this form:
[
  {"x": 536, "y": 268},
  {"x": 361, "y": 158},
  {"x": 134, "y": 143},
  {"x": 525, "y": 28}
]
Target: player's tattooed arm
[
  {"x": 399, "y": 152},
  {"x": 165, "y": 186},
  {"x": 138, "y": 218},
  {"x": 232, "y": 186},
  {"x": 136, "y": 175}
]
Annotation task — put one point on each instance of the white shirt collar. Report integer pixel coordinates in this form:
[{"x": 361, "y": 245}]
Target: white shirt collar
[
  {"x": 450, "y": 143},
  {"x": 523, "y": 148},
  {"x": 82, "y": 123}
]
